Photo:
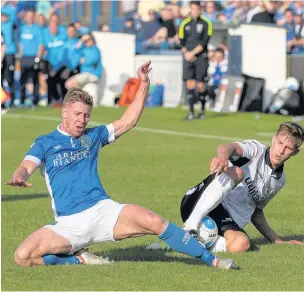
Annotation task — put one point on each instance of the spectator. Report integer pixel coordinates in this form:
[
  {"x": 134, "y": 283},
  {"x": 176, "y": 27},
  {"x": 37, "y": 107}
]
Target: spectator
[
  {"x": 279, "y": 14},
  {"x": 229, "y": 9},
  {"x": 210, "y": 12},
  {"x": 56, "y": 19},
  {"x": 72, "y": 53},
  {"x": 129, "y": 26},
  {"x": 30, "y": 48},
  {"x": 211, "y": 52},
  {"x": 168, "y": 27},
  {"x": 10, "y": 9},
  {"x": 105, "y": 28},
  {"x": 54, "y": 40},
  {"x": 43, "y": 67},
  {"x": 41, "y": 21},
  {"x": 221, "y": 17},
  {"x": 298, "y": 45},
  {"x": 145, "y": 7},
  {"x": 44, "y": 8},
  {"x": 81, "y": 29},
  {"x": 150, "y": 28},
  {"x": 7, "y": 71},
  {"x": 266, "y": 14},
  {"x": 216, "y": 71},
  {"x": 175, "y": 10},
  {"x": 289, "y": 24},
  {"x": 240, "y": 13},
  {"x": 90, "y": 68},
  {"x": 298, "y": 8},
  {"x": 253, "y": 10}
]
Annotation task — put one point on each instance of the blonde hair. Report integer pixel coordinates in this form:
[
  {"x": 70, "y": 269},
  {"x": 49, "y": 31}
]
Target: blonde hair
[
  {"x": 293, "y": 131},
  {"x": 75, "y": 95}
]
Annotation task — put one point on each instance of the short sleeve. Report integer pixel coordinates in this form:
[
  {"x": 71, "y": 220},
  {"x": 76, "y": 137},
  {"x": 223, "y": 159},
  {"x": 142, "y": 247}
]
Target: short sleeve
[
  {"x": 106, "y": 134},
  {"x": 37, "y": 151},
  {"x": 251, "y": 148}
]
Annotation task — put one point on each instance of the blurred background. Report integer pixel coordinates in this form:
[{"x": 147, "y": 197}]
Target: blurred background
[{"x": 256, "y": 53}]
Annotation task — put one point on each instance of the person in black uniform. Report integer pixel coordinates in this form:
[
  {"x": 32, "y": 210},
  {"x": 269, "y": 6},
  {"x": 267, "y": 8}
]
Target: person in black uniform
[{"x": 194, "y": 34}]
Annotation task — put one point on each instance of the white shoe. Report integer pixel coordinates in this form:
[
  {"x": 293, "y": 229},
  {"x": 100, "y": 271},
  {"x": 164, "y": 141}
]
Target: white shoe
[
  {"x": 43, "y": 102},
  {"x": 89, "y": 258},
  {"x": 4, "y": 111}
]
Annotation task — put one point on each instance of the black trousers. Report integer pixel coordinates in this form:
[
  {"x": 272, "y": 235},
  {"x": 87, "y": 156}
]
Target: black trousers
[
  {"x": 29, "y": 70},
  {"x": 7, "y": 73},
  {"x": 55, "y": 82}
]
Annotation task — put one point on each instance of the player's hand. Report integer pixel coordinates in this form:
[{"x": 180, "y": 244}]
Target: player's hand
[
  {"x": 296, "y": 242},
  {"x": 189, "y": 56},
  {"x": 219, "y": 164},
  {"x": 143, "y": 72},
  {"x": 18, "y": 182}
]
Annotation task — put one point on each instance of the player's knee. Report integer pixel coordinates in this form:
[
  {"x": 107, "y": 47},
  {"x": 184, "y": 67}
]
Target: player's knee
[
  {"x": 236, "y": 173},
  {"x": 22, "y": 257},
  {"x": 239, "y": 174},
  {"x": 239, "y": 244},
  {"x": 201, "y": 86},
  {"x": 155, "y": 223},
  {"x": 190, "y": 84}
]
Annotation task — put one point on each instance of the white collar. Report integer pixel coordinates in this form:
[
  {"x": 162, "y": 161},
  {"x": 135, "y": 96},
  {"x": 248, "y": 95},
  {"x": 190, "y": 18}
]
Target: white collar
[{"x": 62, "y": 132}]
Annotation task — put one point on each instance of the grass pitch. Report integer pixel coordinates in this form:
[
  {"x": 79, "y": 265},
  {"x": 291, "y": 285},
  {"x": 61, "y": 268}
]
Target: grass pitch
[{"x": 153, "y": 166}]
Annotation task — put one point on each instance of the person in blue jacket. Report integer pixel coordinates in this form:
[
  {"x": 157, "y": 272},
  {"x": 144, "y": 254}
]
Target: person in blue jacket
[
  {"x": 30, "y": 50},
  {"x": 54, "y": 43},
  {"x": 8, "y": 31},
  {"x": 72, "y": 54},
  {"x": 10, "y": 8},
  {"x": 90, "y": 68}
]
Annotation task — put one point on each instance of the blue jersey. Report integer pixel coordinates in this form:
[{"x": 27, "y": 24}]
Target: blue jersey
[
  {"x": 54, "y": 45},
  {"x": 92, "y": 61},
  {"x": 11, "y": 11},
  {"x": 69, "y": 166},
  {"x": 72, "y": 54},
  {"x": 30, "y": 39},
  {"x": 9, "y": 35}
]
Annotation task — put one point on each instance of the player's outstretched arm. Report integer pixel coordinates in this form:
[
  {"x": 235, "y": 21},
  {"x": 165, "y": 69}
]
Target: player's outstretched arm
[
  {"x": 258, "y": 219},
  {"x": 131, "y": 116},
  {"x": 22, "y": 174},
  {"x": 220, "y": 162}
]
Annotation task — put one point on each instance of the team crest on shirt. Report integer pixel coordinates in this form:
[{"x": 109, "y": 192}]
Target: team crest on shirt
[
  {"x": 85, "y": 141},
  {"x": 199, "y": 27}
]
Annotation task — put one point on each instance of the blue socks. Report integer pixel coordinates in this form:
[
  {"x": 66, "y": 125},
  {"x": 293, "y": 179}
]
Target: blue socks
[
  {"x": 183, "y": 242},
  {"x": 61, "y": 260}
]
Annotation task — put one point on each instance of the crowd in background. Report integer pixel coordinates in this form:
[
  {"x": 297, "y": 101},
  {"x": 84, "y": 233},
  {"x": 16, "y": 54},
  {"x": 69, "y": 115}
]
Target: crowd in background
[
  {"x": 58, "y": 57},
  {"x": 51, "y": 57},
  {"x": 156, "y": 23}
]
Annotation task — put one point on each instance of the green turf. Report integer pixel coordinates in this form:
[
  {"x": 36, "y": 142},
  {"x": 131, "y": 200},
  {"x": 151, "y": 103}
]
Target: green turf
[{"x": 153, "y": 170}]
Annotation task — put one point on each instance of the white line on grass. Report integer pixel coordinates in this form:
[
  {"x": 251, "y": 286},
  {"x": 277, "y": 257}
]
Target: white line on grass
[{"x": 140, "y": 129}]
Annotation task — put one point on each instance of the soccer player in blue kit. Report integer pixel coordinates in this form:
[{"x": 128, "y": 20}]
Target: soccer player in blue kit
[{"x": 84, "y": 213}]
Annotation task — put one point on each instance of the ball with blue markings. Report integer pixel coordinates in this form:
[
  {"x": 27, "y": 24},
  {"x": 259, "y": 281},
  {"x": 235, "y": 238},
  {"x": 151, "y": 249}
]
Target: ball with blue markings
[{"x": 207, "y": 232}]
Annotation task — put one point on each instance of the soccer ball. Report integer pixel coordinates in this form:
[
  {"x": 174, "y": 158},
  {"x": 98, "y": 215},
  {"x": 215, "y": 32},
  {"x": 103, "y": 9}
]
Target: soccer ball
[{"x": 207, "y": 232}]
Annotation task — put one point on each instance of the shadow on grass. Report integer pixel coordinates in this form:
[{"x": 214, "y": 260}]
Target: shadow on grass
[
  {"x": 10, "y": 198},
  {"x": 140, "y": 254},
  {"x": 264, "y": 241}
]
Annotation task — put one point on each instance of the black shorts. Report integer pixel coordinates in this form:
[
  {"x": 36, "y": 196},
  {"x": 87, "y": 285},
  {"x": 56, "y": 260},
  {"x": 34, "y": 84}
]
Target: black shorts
[
  {"x": 219, "y": 214},
  {"x": 198, "y": 70},
  {"x": 44, "y": 67}
]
